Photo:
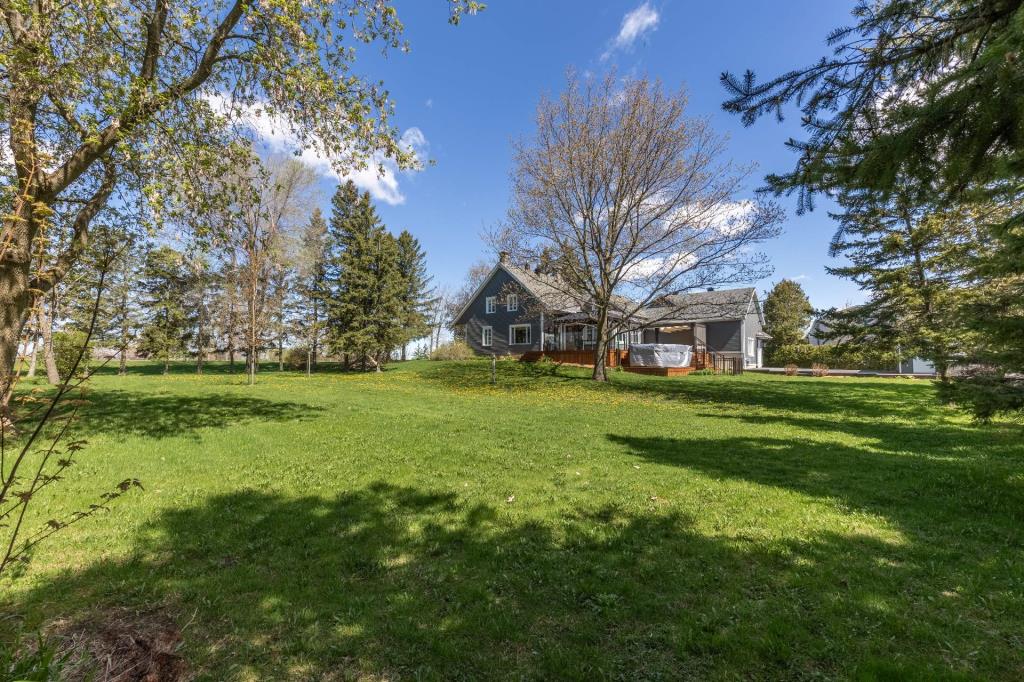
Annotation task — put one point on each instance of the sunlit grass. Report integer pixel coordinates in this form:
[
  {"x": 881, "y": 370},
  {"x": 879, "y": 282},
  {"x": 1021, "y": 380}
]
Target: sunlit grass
[{"x": 424, "y": 523}]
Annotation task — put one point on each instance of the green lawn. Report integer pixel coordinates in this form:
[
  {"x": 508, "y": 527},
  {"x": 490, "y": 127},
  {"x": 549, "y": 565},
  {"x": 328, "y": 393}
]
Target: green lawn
[{"x": 423, "y": 524}]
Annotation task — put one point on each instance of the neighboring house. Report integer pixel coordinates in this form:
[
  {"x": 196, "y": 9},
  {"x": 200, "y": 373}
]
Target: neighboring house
[
  {"x": 516, "y": 310},
  {"x": 819, "y": 334}
]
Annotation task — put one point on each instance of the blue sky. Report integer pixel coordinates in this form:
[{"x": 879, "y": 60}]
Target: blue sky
[{"x": 470, "y": 90}]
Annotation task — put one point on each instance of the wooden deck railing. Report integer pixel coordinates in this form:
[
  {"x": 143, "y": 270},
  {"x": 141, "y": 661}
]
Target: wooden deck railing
[{"x": 701, "y": 359}]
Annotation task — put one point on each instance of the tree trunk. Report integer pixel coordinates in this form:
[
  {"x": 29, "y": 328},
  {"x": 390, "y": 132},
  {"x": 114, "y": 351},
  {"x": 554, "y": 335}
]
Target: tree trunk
[
  {"x": 19, "y": 231},
  {"x": 122, "y": 367},
  {"x": 280, "y": 353},
  {"x": 35, "y": 347},
  {"x": 403, "y": 352},
  {"x": 200, "y": 342},
  {"x": 601, "y": 348},
  {"x": 315, "y": 328},
  {"x": 46, "y": 326}
]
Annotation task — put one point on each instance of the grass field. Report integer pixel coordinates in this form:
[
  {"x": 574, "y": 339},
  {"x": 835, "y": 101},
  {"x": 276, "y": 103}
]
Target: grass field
[{"x": 423, "y": 524}]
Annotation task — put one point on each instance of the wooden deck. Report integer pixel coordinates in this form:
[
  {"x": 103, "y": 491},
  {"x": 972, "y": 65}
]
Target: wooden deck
[
  {"x": 701, "y": 359},
  {"x": 662, "y": 371}
]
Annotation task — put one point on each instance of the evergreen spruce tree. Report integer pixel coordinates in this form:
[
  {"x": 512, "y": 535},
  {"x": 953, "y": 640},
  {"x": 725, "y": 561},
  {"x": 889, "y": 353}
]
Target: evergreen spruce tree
[
  {"x": 913, "y": 260},
  {"x": 365, "y": 309},
  {"x": 416, "y": 295},
  {"x": 929, "y": 90},
  {"x": 787, "y": 314},
  {"x": 114, "y": 254},
  {"x": 165, "y": 287},
  {"x": 998, "y": 308}
]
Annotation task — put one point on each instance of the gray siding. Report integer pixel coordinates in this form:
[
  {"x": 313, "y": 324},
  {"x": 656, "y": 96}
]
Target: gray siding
[
  {"x": 752, "y": 325},
  {"x": 476, "y": 317},
  {"x": 724, "y": 337}
]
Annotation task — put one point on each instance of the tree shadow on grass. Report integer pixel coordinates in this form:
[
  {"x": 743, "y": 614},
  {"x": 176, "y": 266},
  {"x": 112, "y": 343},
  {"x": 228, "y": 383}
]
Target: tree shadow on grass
[
  {"x": 947, "y": 507},
  {"x": 397, "y": 582},
  {"x": 154, "y": 415},
  {"x": 214, "y": 367},
  {"x": 860, "y": 397},
  {"x": 948, "y": 441}
]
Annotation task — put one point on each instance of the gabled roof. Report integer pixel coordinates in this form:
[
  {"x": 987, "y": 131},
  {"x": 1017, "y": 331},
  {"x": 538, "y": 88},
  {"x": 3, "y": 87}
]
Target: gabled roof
[
  {"x": 538, "y": 285},
  {"x": 543, "y": 287},
  {"x": 727, "y": 304},
  {"x": 700, "y": 306}
]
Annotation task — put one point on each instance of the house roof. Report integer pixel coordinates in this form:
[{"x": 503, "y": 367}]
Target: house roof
[
  {"x": 540, "y": 286},
  {"x": 700, "y": 306},
  {"x": 543, "y": 287},
  {"x": 726, "y": 304}
]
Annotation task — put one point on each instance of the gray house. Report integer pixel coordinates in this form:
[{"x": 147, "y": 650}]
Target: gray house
[{"x": 516, "y": 310}]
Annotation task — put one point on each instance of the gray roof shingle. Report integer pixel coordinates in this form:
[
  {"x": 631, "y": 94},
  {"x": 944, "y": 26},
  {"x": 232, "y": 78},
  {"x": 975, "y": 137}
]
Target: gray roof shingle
[{"x": 727, "y": 304}]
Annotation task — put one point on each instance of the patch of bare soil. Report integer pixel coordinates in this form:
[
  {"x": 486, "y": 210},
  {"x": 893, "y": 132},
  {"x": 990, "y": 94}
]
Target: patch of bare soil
[{"x": 121, "y": 645}]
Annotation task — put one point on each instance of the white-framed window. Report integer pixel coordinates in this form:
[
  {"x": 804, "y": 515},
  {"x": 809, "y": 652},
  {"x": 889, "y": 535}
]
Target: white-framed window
[
  {"x": 491, "y": 303},
  {"x": 589, "y": 333},
  {"x": 486, "y": 336},
  {"x": 519, "y": 334},
  {"x": 512, "y": 302},
  {"x": 750, "y": 346}
]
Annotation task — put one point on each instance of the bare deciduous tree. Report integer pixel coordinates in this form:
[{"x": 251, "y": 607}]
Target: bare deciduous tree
[
  {"x": 628, "y": 200},
  {"x": 271, "y": 201}
]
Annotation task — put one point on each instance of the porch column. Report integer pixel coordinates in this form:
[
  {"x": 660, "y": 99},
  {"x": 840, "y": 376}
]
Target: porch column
[{"x": 542, "y": 329}]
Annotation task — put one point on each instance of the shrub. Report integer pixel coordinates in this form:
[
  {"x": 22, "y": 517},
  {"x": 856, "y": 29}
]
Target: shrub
[
  {"x": 296, "y": 358},
  {"x": 66, "y": 347},
  {"x": 844, "y": 356},
  {"x": 705, "y": 372},
  {"x": 453, "y": 350},
  {"x": 546, "y": 366},
  {"x": 791, "y": 370},
  {"x": 819, "y": 369}
]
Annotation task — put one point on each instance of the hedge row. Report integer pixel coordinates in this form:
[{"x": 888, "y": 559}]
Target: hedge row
[{"x": 833, "y": 356}]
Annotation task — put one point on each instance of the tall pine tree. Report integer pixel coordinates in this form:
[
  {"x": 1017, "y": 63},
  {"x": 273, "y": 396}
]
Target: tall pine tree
[
  {"x": 116, "y": 255},
  {"x": 417, "y": 295},
  {"x": 365, "y": 308},
  {"x": 913, "y": 260},
  {"x": 165, "y": 287},
  {"x": 931, "y": 90}
]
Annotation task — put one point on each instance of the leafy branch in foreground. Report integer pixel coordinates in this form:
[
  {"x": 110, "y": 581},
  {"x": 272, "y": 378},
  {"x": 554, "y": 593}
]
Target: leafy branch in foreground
[{"x": 46, "y": 464}]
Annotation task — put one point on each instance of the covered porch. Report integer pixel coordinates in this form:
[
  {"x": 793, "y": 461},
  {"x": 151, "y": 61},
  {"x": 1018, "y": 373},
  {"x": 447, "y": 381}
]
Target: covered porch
[
  {"x": 572, "y": 339},
  {"x": 578, "y": 332}
]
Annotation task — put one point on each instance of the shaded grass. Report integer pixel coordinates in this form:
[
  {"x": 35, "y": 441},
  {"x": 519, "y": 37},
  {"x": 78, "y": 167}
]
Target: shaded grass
[{"x": 425, "y": 524}]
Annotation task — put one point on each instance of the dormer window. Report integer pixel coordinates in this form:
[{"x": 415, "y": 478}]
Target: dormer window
[
  {"x": 491, "y": 304},
  {"x": 512, "y": 303}
]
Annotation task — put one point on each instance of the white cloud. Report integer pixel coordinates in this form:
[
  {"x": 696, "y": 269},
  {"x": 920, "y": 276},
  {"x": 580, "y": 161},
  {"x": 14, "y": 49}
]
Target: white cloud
[
  {"x": 800, "y": 277},
  {"x": 635, "y": 25},
  {"x": 429, "y": 103},
  {"x": 379, "y": 177}
]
